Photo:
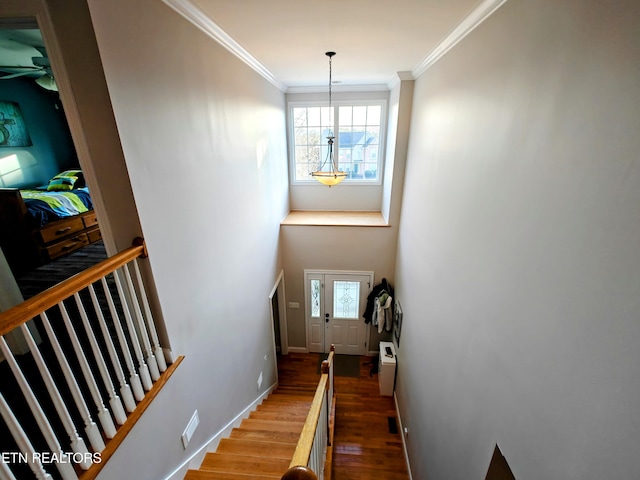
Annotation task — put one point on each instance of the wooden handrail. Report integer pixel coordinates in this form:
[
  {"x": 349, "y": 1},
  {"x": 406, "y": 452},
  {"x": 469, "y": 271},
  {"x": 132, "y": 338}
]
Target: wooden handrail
[
  {"x": 31, "y": 308},
  {"x": 303, "y": 449}
]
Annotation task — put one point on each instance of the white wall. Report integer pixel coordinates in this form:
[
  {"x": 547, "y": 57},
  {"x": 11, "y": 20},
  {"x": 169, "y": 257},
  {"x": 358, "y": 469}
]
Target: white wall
[
  {"x": 400, "y": 101},
  {"x": 203, "y": 136},
  {"x": 518, "y": 265}
]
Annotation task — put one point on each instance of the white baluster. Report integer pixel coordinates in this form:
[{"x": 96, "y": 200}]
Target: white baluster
[
  {"x": 77, "y": 442},
  {"x": 142, "y": 329},
  {"x": 125, "y": 389},
  {"x": 90, "y": 427},
  {"x": 23, "y": 441},
  {"x": 134, "y": 378},
  {"x": 65, "y": 468},
  {"x": 103, "y": 414},
  {"x": 157, "y": 349},
  {"x": 5, "y": 472},
  {"x": 145, "y": 377},
  {"x": 114, "y": 399}
]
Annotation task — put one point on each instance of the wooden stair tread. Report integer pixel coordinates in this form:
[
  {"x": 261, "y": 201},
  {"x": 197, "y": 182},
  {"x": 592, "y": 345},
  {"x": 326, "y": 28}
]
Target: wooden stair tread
[
  {"x": 279, "y": 416},
  {"x": 222, "y": 462},
  {"x": 205, "y": 475},
  {"x": 278, "y": 426},
  {"x": 282, "y": 407},
  {"x": 266, "y": 435},
  {"x": 256, "y": 448},
  {"x": 299, "y": 388},
  {"x": 274, "y": 397},
  {"x": 288, "y": 401}
]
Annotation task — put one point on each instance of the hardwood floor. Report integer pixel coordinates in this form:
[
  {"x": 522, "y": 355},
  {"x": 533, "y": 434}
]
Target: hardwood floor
[{"x": 363, "y": 448}]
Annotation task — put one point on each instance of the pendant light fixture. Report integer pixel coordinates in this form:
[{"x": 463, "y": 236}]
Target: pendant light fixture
[{"x": 328, "y": 172}]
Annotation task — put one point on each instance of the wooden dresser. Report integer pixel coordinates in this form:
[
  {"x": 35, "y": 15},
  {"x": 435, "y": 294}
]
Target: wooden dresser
[{"x": 67, "y": 235}]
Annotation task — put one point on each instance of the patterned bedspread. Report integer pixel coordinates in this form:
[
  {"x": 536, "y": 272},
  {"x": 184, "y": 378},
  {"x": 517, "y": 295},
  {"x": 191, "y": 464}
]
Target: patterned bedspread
[{"x": 45, "y": 206}]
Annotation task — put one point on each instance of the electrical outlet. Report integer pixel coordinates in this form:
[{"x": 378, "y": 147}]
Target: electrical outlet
[
  {"x": 191, "y": 428},
  {"x": 406, "y": 431}
]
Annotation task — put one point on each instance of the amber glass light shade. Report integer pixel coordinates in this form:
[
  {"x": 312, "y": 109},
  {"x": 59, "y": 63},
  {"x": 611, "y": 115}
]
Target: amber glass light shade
[{"x": 329, "y": 178}]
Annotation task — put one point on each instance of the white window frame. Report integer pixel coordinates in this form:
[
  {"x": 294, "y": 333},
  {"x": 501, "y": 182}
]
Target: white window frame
[{"x": 335, "y": 105}]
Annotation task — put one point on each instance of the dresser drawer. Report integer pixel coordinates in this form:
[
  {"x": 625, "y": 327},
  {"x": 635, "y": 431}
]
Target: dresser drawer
[
  {"x": 94, "y": 235},
  {"x": 61, "y": 229},
  {"x": 90, "y": 220},
  {"x": 68, "y": 245}
]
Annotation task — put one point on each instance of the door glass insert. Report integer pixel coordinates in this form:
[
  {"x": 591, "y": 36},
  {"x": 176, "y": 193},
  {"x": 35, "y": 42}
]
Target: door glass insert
[
  {"x": 346, "y": 299},
  {"x": 315, "y": 298}
]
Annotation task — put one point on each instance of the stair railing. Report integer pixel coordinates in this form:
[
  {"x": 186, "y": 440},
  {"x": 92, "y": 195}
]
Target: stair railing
[
  {"x": 308, "y": 461},
  {"x": 98, "y": 355}
]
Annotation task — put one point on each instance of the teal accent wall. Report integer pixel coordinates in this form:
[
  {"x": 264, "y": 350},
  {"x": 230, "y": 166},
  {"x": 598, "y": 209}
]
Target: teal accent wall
[{"x": 52, "y": 150}]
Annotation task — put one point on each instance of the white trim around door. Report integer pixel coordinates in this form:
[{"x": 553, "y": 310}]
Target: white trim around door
[{"x": 334, "y": 303}]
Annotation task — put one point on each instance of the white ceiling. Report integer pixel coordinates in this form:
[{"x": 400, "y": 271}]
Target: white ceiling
[
  {"x": 286, "y": 40},
  {"x": 373, "y": 39}
]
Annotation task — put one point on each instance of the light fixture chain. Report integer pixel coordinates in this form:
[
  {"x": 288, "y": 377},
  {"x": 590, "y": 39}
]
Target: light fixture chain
[
  {"x": 334, "y": 176},
  {"x": 330, "y": 72}
]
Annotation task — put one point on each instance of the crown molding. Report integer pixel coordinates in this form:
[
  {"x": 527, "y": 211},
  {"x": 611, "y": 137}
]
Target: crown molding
[
  {"x": 338, "y": 88},
  {"x": 475, "y": 18},
  {"x": 197, "y": 17},
  {"x": 399, "y": 77}
]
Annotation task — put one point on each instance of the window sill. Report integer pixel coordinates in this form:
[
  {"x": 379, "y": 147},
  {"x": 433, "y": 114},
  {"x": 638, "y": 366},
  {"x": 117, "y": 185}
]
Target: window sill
[{"x": 335, "y": 219}]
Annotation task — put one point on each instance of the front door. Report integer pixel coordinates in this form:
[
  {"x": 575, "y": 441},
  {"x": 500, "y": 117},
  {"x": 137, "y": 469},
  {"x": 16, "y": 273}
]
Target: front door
[{"x": 335, "y": 302}]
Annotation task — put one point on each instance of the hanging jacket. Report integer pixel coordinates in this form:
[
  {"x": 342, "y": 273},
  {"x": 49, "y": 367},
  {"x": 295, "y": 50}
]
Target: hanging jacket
[{"x": 375, "y": 292}]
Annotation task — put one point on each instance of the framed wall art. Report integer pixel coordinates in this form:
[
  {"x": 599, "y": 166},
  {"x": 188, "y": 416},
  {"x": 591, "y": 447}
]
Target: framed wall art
[
  {"x": 397, "y": 322},
  {"x": 13, "y": 130}
]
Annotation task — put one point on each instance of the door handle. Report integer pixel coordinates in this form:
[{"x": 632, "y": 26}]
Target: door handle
[{"x": 326, "y": 317}]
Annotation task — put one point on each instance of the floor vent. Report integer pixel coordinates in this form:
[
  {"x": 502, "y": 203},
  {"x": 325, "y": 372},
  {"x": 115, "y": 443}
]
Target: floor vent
[{"x": 393, "y": 426}]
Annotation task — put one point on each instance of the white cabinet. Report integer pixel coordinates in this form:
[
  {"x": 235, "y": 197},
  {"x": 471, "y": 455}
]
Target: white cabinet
[{"x": 387, "y": 369}]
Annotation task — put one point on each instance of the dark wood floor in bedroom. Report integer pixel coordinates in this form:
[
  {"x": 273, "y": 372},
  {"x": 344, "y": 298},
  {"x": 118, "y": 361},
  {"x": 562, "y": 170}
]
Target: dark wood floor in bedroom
[
  {"x": 364, "y": 446},
  {"x": 54, "y": 272}
]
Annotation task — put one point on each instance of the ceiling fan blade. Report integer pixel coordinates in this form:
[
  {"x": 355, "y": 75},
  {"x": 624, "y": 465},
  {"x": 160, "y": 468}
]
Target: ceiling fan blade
[
  {"x": 16, "y": 75},
  {"x": 27, "y": 71},
  {"x": 41, "y": 61}
]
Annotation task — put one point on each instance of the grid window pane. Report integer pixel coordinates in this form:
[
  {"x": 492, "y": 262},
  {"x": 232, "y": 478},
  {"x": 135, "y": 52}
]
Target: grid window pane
[
  {"x": 346, "y": 116},
  {"x": 373, "y": 114},
  {"x": 313, "y": 116},
  {"x": 301, "y": 136},
  {"x": 360, "y": 115},
  {"x": 299, "y": 116},
  {"x": 359, "y": 138},
  {"x": 356, "y": 145}
]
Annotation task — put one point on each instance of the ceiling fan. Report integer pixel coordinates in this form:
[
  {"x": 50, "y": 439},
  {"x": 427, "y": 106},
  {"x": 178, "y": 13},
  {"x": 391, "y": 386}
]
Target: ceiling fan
[{"x": 40, "y": 70}]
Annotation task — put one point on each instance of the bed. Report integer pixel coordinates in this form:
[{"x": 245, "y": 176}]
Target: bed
[{"x": 40, "y": 225}]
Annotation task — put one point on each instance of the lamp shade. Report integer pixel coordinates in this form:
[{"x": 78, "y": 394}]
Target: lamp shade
[
  {"x": 47, "y": 82},
  {"x": 329, "y": 178}
]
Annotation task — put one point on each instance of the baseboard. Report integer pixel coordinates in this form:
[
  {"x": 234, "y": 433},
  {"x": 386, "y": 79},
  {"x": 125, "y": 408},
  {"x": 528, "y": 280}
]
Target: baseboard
[
  {"x": 404, "y": 443},
  {"x": 195, "y": 460},
  {"x": 298, "y": 350}
]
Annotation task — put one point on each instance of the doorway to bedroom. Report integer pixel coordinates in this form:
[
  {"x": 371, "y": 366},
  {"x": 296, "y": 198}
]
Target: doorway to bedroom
[{"x": 28, "y": 85}]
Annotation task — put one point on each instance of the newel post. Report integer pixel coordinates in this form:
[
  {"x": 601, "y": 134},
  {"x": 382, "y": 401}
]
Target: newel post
[
  {"x": 299, "y": 473},
  {"x": 325, "y": 367}
]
